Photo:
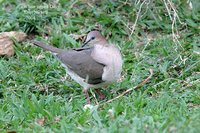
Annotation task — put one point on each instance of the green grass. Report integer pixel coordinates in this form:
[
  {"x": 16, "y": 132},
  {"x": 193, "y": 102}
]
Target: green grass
[{"x": 32, "y": 86}]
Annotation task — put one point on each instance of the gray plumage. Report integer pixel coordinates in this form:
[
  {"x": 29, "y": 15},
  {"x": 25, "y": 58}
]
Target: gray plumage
[
  {"x": 79, "y": 61},
  {"x": 96, "y": 66}
]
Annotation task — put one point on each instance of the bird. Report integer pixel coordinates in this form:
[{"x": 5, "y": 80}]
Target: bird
[{"x": 96, "y": 64}]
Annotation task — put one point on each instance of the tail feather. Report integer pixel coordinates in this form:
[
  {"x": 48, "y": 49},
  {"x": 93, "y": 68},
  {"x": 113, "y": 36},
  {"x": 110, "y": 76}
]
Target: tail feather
[{"x": 46, "y": 47}]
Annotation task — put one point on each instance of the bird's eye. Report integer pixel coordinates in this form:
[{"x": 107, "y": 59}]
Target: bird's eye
[{"x": 93, "y": 38}]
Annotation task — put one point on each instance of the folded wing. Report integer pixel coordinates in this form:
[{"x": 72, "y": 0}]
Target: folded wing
[{"x": 80, "y": 62}]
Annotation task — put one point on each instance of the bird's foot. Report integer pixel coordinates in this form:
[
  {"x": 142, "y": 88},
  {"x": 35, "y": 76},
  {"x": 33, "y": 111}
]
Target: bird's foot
[
  {"x": 100, "y": 95},
  {"x": 87, "y": 96}
]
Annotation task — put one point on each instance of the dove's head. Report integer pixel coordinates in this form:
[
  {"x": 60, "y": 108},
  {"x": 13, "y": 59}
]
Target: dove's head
[{"x": 94, "y": 37}]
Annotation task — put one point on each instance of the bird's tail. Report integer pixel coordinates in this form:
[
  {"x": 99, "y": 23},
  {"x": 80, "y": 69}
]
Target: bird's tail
[{"x": 46, "y": 47}]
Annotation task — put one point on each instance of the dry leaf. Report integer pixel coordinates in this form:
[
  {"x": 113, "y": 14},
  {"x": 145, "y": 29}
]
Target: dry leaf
[
  {"x": 57, "y": 119},
  {"x": 40, "y": 121},
  {"x": 39, "y": 57},
  {"x": 11, "y": 132},
  {"x": 78, "y": 37},
  {"x": 6, "y": 43}
]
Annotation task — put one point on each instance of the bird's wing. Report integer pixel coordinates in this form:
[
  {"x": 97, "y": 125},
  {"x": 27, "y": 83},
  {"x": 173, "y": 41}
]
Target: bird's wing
[{"x": 80, "y": 62}]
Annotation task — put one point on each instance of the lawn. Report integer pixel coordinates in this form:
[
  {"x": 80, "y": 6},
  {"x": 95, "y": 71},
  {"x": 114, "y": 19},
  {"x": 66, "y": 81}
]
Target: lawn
[{"x": 37, "y": 96}]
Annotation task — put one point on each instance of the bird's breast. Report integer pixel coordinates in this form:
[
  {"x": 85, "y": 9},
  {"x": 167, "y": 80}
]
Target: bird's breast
[{"x": 111, "y": 57}]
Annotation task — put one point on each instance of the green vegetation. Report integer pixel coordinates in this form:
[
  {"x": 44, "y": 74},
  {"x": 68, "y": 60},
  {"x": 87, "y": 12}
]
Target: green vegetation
[{"x": 164, "y": 36}]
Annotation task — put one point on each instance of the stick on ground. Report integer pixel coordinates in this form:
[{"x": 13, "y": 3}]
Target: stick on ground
[{"x": 132, "y": 88}]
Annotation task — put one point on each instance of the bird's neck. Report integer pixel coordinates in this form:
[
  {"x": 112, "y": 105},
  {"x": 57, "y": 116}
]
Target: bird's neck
[{"x": 102, "y": 42}]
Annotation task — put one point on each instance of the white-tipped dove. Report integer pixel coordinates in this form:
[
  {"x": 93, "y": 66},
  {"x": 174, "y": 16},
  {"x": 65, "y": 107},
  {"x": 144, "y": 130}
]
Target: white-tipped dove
[{"x": 94, "y": 66}]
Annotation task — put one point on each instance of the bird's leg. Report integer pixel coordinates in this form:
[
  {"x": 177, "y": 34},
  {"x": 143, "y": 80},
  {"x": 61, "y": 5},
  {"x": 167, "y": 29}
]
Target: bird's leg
[
  {"x": 100, "y": 95},
  {"x": 87, "y": 95}
]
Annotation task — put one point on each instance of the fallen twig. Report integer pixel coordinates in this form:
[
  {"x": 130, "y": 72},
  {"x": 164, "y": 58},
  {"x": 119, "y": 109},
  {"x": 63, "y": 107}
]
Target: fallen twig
[{"x": 132, "y": 88}]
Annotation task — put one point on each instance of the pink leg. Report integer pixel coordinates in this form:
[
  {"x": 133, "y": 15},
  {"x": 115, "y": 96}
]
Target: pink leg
[
  {"x": 87, "y": 95},
  {"x": 100, "y": 95}
]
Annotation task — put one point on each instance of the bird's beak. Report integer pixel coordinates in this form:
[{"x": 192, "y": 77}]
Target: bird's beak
[{"x": 85, "y": 43}]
